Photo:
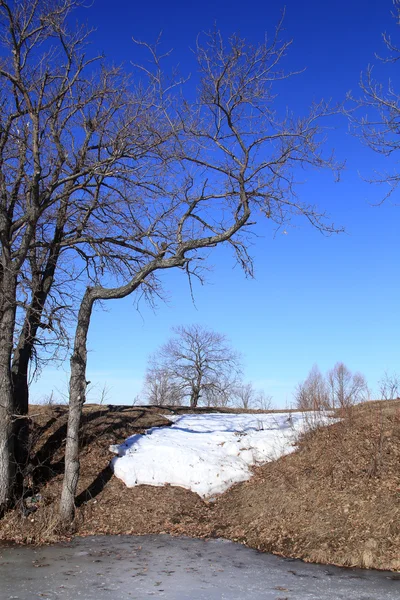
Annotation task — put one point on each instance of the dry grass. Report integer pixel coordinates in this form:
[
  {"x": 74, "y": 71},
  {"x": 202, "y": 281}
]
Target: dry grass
[{"x": 336, "y": 500}]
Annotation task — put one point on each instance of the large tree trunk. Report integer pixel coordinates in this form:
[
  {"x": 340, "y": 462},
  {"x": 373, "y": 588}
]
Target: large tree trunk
[
  {"x": 6, "y": 446},
  {"x": 7, "y": 467},
  {"x": 23, "y": 352},
  {"x": 43, "y": 276},
  {"x": 77, "y": 391},
  {"x": 19, "y": 372},
  {"x": 7, "y": 321}
]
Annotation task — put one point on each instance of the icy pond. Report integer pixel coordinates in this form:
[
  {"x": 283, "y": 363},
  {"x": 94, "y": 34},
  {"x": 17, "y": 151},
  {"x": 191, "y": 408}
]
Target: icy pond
[{"x": 125, "y": 567}]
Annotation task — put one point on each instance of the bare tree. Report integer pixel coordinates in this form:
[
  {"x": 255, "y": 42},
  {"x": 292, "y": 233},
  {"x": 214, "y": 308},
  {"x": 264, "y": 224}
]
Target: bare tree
[
  {"x": 340, "y": 388},
  {"x": 198, "y": 361},
  {"x": 263, "y": 401},
  {"x": 346, "y": 388},
  {"x": 230, "y": 158},
  {"x": 220, "y": 396},
  {"x": 313, "y": 393},
  {"x": 245, "y": 395},
  {"x": 35, "y": 176},
  {"x": 73, "y": 139},
  {"x": 160, "y": 389},
  {"x": 389, "y": 386}
]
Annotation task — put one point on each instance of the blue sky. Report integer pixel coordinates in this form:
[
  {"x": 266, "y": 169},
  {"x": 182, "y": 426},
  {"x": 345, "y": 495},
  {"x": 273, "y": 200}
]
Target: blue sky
[{"x": 314, "y": 299}]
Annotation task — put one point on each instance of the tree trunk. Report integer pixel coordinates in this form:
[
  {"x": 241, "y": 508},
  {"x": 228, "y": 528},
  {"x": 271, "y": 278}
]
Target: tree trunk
[
  {"x": 23, "y": 352},
  {"x": 77, "y": 392},
  {"x": 43, "y": 278},
  {"x": 6, "y": 448},
  {"x": 19, "y": 371},
  {"x": 7, "y": 464},
  {"x": 7, "y": 470},
  {"x": 194, "y": 397}
]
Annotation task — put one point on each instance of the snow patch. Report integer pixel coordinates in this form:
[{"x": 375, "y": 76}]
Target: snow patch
[{"x": 208, "y": 453}]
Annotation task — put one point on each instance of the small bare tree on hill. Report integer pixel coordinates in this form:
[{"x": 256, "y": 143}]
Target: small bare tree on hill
[
  {"x": 313, "y": 393},
  {"x": 339, "y": 388},
  {"x": 160, "y": 389},
  {"x": 264, "y": 401},
  {"x": 389, "y": 386},
  {"x": 246, "y": 396},
  {"x": 199, "y": 362},
  {"x": 346, "y": 388}
]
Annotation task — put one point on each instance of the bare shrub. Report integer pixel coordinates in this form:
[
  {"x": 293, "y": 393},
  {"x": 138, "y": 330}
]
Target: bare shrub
[
  {"x": 136, "y": 400},
  {"x": 160, "y": 389},
  {"x": 346, "y": 388},
  {"x": 338, "y": 389},
  {"x": 104, "y": 395},
  {"x": 244, "y": 395},
  {"x": 52, "y": 399},
  {"x": 313, "y": 393},
  {"x": 263, "y": 401},
  {"x": 389, "y": 386},
  {"x": 218, "y": 397},
  {"x": 48, "y": 399},
  {"x": 247, "y": 396}
]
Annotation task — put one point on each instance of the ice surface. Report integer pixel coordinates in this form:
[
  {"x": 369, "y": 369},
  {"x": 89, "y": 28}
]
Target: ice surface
[
  {"x": 208, "y": 453},
  {"x": 171, "y": 568}
]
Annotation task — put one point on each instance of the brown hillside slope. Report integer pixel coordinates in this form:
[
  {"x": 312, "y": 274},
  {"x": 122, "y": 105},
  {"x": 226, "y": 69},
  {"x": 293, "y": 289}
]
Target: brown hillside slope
[{"x": 336, "y": 500}]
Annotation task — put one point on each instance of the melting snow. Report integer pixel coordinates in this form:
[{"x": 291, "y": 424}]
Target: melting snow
[{"x": 208, "y": 453}]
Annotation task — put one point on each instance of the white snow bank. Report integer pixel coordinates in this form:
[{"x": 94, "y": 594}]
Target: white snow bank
[{"x": 208, "y": 453}]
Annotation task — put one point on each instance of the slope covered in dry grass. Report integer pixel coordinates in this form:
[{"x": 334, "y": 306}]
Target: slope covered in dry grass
[{"x": 336, "y": 500}]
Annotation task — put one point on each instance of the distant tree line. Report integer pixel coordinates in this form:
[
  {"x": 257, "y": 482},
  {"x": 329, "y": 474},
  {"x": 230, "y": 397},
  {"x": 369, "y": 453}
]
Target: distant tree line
[{"x": 341, "y": 388}]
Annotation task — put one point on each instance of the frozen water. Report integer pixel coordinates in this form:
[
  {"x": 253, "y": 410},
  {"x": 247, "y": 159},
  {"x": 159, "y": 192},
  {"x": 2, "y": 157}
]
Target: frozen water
[{"x": 132, "y": 568}]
